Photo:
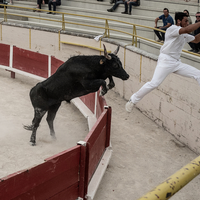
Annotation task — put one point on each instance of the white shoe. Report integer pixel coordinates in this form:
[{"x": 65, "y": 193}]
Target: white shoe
[{"x": 129, "y": 106}]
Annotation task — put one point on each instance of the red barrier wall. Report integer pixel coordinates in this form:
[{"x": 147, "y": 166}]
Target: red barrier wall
[
  {"x": 4, "y": 54},
  {"x": 57, "y": 176},
  {"x": 31, "y": 62},
  {"x": 55, "y": 64}
]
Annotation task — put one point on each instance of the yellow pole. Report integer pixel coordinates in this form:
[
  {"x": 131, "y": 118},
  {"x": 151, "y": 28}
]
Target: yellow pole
[
  {"x": 140, "y": 68},
  {"x": 1, "y": 32},
  {"x": 59, "y": 40},
  {"x": 30, "y": 38},
  {"x": 175, "y": 182}
]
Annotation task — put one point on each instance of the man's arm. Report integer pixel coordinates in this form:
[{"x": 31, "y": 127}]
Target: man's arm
[
  {"x": 156, "y": 21},
  {"x": 189, "y": 28},
  {"x": 168, "y": 25},
  {"x": 197, "y": 39}
]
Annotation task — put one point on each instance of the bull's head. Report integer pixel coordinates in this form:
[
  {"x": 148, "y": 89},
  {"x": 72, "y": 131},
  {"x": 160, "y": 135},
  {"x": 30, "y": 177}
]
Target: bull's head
[{"x": 113, "y": 65}]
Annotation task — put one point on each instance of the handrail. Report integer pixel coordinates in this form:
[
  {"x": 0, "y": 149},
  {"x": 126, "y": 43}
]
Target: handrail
[{"x": 106, "y": 28}]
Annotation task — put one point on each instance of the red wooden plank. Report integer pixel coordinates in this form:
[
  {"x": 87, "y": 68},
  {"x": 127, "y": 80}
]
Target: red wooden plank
[
  {"x": 55, "y": 64},
  {"x": 94, "y": 132},
  {"x": 96, "y": 152},
  {"x": 70, "y": 193},
  {"x": 31, "y": 62},
  {"x": 4, "y": 54},
  {"x": 89, "y": 101},
  {"x": 100, "y": 105},
  {"x": 109, "y": 113},
  {"x": 52, "y": 187},
  {"x": 18, "y": 184},
  {"x": 83, "y": 167}
]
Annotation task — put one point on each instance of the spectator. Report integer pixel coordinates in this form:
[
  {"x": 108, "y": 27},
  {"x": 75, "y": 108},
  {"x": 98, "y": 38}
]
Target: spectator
[
  {"x": 112, "y": 1},
  {"x": 195, "y": 46},
  {"x": 116, "y": 5},
  {"x": 167, "y": 22},
  {"x": 130, "y": 3},
  {"x": 39, "y": 5},
  {"x": 54, "y": 3},
  {"x": 189, "y": 18}
]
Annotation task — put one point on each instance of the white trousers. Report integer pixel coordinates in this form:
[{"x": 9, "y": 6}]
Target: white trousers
[{"x": 165, "y": 66}]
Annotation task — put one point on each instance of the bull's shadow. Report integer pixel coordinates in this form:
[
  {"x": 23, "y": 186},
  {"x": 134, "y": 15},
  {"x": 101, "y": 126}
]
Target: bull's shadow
[{"x": 78, "y": 76}]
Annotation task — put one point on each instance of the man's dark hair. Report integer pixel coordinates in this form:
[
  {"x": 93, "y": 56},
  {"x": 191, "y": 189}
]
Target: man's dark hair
[
  {"x": 166, "y": 9},
  {"x": 180, "y": 16}
]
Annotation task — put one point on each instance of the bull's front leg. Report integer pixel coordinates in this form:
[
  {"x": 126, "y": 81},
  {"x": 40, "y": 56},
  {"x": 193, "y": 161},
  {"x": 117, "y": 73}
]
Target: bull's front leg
[
  {"x": 111, "y": 83},
  {"x": 94, "y": 85}
]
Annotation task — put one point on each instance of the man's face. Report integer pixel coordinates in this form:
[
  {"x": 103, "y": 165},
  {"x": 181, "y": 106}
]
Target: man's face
[
  {"x": 166, "y": 13},
  {"x": 184, "y": 22},
  {"x": 198, "y": 17}
]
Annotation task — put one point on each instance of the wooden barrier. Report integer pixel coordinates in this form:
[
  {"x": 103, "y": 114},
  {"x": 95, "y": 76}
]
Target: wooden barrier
[{"x": 65, "y": 175}]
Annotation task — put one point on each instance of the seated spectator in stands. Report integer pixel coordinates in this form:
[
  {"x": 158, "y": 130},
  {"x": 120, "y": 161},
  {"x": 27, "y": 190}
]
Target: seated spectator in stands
[
  {"x": 130, "y": 3},
  {"x": 39, "y": 5},
  {"x": 112, "y": 1},
  {"x": 196, "y": 46},
  {"x": 167, "y": 22},
  {"x": 188, "y": 15},
  {"x": 54, "y": 3},
  {"x": 116, "y": 5}
]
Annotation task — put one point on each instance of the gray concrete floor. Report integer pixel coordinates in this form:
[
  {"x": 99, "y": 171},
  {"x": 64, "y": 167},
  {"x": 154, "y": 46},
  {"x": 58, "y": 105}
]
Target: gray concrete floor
[{"x": 144, "y": 155}]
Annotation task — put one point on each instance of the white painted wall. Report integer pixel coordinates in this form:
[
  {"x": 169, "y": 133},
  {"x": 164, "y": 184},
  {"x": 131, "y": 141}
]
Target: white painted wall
[{"x": 175, "y": 105}]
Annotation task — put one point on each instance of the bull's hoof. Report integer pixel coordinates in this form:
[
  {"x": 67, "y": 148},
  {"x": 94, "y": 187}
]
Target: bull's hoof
[
  {"x": 32, "y": 143},
  {"x": 53, "y": 137},
  {"x": 29, "y": 128},
  {"x": 102, "y": 93}
]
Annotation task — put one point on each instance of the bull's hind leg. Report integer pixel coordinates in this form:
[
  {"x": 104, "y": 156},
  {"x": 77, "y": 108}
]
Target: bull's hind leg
[
  {"x": 50, "y": 118},
  {"x": 39, "y": 113}
]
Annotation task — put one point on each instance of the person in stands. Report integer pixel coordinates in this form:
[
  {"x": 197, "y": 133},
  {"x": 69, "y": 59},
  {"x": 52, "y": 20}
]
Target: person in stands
[
  {"x": 130, "y": 3},
  {"x": 167, "y": 22},
  {"x": 54, "y": 3}
]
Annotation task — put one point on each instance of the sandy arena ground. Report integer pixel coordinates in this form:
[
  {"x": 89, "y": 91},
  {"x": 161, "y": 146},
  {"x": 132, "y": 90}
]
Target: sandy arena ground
[{"x": 144, "y": 154}]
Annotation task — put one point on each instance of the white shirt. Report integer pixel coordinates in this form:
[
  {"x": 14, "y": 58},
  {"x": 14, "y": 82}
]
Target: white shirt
[{"x": 174, "y": 42}]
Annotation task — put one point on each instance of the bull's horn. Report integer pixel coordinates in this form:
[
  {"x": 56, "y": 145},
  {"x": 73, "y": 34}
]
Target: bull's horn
[
  {"x": 105, "y": 53},
  {"x": 116, "y": 51}
]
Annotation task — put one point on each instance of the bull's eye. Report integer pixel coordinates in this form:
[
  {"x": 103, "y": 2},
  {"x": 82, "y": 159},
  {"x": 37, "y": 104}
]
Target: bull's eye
[{"x": 115, "y": 65}]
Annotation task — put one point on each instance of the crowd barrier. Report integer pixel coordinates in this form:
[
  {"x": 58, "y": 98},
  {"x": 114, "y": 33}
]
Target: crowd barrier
[{"x": 71, "y": 174}]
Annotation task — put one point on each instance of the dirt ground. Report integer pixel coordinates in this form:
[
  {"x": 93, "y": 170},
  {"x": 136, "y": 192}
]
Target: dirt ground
[
  {"x": 144, "y": 154},
  {"x": 16, "y": 110}
]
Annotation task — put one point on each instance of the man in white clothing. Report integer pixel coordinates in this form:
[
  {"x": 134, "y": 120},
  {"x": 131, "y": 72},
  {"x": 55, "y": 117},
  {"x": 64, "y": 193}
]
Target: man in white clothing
[{"x": 168, "y": 61}]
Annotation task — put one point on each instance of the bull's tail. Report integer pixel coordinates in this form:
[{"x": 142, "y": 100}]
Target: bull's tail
[{"x": 29, "y": 127}]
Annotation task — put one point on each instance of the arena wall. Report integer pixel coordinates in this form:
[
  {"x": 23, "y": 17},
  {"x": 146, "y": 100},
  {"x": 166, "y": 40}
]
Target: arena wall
[{"x": 174, "y": 105}]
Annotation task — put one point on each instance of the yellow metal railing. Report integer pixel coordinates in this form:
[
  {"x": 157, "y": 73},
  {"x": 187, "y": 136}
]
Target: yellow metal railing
[
  {"x": 175, "y": 182},
  {"x": 107, "y": 29}
]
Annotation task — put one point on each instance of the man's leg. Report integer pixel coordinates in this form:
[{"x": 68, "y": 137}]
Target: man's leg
[
  {"x": 161, "y": 72},
  {"x": 49, "y": 4},
  {"x": 130, "y": 6},
  {"x": 126, "y": 8},
  {"x": 188, "y": 71},
  {"x": 163, "y": 34},
  {"x": 54, "y": 5},
  {"x": 158, "y": 34}
]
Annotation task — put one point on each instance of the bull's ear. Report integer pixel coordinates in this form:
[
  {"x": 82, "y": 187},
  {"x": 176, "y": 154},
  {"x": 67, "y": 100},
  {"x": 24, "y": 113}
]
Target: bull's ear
[
  {"x": 101, "y": 62},
  {"x": 106, "y": 54},
  {"x": 116, "y": 51}
]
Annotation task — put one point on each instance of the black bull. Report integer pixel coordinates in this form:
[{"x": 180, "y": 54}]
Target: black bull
[{"x": 78, "y": 76}]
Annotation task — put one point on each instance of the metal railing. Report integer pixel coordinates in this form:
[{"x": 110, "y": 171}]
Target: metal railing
[{"x": 106, "y": 28}]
